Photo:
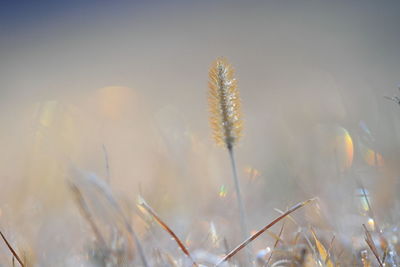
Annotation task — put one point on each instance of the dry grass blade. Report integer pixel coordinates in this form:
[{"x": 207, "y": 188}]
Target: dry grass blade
[
  {"x": 323, "y": 253},
  {"x": 276, "y": 244},
  {"x": 254, "y": 236},
  {"x": 86, "y": 214},
  {"x": 371, "y": 244},
  {"x": 104, "y": 189},
  {"x": 12, "y": 250},
  {"x": 143, "y": 204},
  {"x": 329, "y": 250},
  {"x": 226, "y": 246},
  {"x": 385, "y": 253},
  {"x": 106, "y": 160},
  {"x": 276, "y": 237},
  {"x": 308, "y": 241}
]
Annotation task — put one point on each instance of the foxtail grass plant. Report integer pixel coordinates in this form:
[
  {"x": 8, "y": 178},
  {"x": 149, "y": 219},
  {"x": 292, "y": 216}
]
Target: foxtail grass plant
[{"x": 225, "y": 119}]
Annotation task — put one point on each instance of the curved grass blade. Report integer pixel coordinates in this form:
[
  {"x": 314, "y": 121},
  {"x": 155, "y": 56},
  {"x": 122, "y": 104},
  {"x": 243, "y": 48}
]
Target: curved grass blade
[
  {"x": 254, "y": 236},
  {"x": 150, "y": 210}
]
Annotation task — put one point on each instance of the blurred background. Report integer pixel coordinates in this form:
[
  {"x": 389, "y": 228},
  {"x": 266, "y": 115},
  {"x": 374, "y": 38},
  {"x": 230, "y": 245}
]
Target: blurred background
[{"x": 119, "y": 89}]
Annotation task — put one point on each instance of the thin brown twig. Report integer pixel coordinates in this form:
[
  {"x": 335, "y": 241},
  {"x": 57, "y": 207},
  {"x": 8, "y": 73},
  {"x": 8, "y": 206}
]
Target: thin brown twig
[
  {"x": 12, "y": 250},
  {"x": 254, "y": 236},
  {"x": 167, "y": 229}
]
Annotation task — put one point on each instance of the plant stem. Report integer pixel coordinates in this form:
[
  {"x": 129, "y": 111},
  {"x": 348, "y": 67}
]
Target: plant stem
[
  {"x": 242, "y": 212},
  {"x": 107, "y": 163},
  {"x": 138, "y": 244}
]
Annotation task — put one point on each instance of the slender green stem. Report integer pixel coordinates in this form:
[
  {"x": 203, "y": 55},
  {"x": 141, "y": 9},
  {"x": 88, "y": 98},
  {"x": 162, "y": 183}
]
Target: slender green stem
[
  {"x": 242, "y": 212},
  {"x": 107, "y": 163},
  {"x": 238, "y": 194}
]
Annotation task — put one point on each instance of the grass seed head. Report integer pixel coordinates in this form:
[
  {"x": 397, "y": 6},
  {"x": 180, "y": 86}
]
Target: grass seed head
[{"x": 224, "y": 104}]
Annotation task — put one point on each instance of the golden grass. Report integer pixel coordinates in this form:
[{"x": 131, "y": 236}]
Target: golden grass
[{"x": 224, "y": 104}]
